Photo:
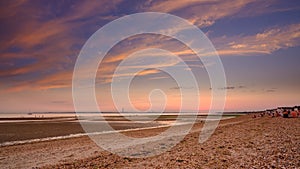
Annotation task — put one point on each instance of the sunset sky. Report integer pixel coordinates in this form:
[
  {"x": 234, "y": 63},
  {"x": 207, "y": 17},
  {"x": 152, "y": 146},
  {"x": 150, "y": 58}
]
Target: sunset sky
[{"x": 258, "y": 43}]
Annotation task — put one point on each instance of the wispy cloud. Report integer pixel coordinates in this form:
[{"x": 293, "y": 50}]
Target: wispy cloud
[
  {"x": 60, "y": 102},
  {"x": 180, "y": 87},
  {"x": 206, "y": 12},
  {"x": 50, "y": 37},
  {"x": 53, "y": 38},
  {"x": 232, "y": 87},
  {"x": 158, "y": 77},
  {"x": 57, "y": 80},
  {"x": 271, "y": 90},
  {"x": 265, "y": 42},
  {"x": 228, "y": 88},
  {"x": 142, "y": 73}
]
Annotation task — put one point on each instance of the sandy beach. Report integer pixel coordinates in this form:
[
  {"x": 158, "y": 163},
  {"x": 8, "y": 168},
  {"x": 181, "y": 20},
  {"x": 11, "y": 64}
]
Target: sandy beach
[{"x": 242, "y": 142}]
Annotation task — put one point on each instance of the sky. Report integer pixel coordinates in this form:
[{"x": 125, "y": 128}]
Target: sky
[{"x": 257, "y": 41}]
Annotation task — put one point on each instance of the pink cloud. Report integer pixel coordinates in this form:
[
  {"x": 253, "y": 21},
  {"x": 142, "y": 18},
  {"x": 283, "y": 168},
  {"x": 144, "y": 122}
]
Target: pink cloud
[{"x": 265, "y": 42}]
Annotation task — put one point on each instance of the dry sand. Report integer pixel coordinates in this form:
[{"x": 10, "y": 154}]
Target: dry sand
[{"x": 242, "y": 142}]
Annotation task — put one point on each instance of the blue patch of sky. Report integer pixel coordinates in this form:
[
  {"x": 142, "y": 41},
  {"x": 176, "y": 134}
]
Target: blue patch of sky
[
  {"x": 21, "y": 62},
  {"x": 14, "y": 49},
  {"x": 279, "y": 68},
  {"x": 52, "y": 9},
  {"x": 127, "y": 7},
  {"x": 252, "y": 25},
  {"x": 16, "y": 63},
  {"x": 11, "y": 80}
]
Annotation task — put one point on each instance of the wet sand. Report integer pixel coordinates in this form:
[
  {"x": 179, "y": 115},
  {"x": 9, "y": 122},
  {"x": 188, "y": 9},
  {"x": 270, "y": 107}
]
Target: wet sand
[
  {"x": 243, "y": 142},
  {"x": 17, "y": 129},
  {"x": 53, "y": 127}
]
